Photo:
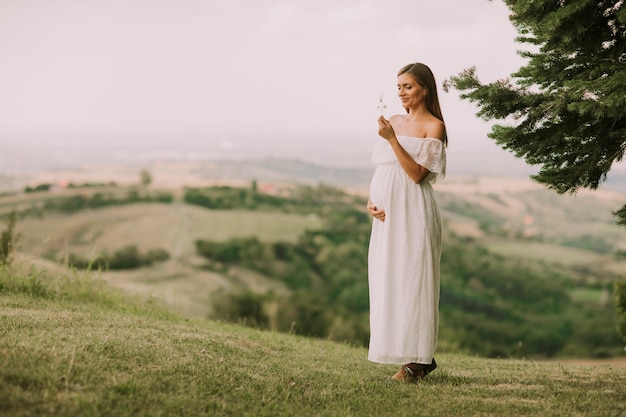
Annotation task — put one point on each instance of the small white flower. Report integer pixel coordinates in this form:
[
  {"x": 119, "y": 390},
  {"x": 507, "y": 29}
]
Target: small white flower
[{"x": 381, "y": 105}]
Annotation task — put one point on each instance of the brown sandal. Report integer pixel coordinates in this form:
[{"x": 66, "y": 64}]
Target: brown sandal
[{"x": 412, "y": 372}]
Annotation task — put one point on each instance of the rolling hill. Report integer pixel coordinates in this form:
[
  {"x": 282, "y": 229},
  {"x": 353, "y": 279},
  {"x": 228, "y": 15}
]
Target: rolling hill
[{"x": 513, "y": 219}]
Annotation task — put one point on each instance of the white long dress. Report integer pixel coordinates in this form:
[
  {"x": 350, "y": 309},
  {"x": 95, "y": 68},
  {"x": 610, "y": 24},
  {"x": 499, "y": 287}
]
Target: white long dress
[{"x": 404, "y": 255}]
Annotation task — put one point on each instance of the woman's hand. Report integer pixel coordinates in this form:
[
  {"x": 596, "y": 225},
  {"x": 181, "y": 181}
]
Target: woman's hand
[
  {"x": 373, "y": 210},
  {"x": 385, "y": 130}
]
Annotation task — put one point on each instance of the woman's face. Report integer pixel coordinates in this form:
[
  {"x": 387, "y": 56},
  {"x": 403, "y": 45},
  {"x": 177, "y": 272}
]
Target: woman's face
[{"x": 410, "y": 91}]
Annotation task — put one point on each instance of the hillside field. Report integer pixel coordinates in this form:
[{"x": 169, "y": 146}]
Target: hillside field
[{"x": 72, "y": 346}]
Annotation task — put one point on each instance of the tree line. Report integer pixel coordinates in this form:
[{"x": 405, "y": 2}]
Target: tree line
[{"x": 68, "y": 204}]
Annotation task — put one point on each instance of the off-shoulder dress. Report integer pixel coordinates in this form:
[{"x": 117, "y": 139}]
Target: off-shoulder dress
[{"x": 404, "y": 254}]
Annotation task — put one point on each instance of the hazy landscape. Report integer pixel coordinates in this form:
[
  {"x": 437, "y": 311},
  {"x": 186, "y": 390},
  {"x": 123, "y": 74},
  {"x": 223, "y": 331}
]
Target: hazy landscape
[
  {"x": 508, "y": 216},
  {"x": 528, "y": 319}
]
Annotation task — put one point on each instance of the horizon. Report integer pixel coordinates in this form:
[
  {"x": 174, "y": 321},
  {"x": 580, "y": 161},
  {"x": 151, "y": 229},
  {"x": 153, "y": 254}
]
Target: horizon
[
  {"x": 31, "y": 153},
  {"x": 36, "y": 159}
]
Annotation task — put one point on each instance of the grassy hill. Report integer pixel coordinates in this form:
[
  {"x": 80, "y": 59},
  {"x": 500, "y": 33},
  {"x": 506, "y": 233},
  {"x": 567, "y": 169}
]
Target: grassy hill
[{"x": 72, "y": 346}]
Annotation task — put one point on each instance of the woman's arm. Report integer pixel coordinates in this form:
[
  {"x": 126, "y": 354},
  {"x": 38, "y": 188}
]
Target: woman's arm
[{"x": 415, "y": 171}]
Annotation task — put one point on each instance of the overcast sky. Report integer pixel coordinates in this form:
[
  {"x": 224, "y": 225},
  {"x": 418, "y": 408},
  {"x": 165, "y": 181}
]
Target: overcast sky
[{"x": 220, "y": 70}]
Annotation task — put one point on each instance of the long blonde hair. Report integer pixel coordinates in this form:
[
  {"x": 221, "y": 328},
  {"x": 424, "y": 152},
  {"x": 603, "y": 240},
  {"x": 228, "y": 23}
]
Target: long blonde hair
[{"x": 424, "y": 76}]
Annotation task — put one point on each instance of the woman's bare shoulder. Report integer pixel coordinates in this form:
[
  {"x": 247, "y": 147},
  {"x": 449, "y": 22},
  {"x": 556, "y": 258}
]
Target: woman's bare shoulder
[{"x": 436, "y": 129}]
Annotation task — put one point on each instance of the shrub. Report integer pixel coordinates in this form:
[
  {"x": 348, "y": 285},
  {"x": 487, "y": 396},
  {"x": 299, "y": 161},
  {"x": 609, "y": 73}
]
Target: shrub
[
  {"x": 40, "y": 187},
  {"x": 244, "y": 307},
  {"x": 305, "y": 314},
  {"x": 155, "y": 255},
  {"x": 128, "y": 257},
  {"x": 620, "y": 303},
  {"x": 75, "y": 261},
  {"x": 8, "y": 239}
]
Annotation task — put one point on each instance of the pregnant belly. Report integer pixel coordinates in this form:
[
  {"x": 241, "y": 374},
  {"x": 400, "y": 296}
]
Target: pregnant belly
[{"x": 378, "y": 189}]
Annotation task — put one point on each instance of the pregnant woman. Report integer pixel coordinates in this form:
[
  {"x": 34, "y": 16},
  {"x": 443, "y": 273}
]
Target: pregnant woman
[{"x": 405, "y": 244}]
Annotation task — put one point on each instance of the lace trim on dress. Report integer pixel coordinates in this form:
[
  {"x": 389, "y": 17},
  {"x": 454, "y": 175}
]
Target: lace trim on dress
[{"x": 432, "y": 156}]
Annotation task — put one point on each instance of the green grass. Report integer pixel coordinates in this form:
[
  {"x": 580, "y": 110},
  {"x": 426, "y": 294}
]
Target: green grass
[
  {"x": 594, "y": 295},
  {"x": 174, "y": 227},
  {"x": 543, "y": 252},
  {"x": 70, "y": 346}
]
